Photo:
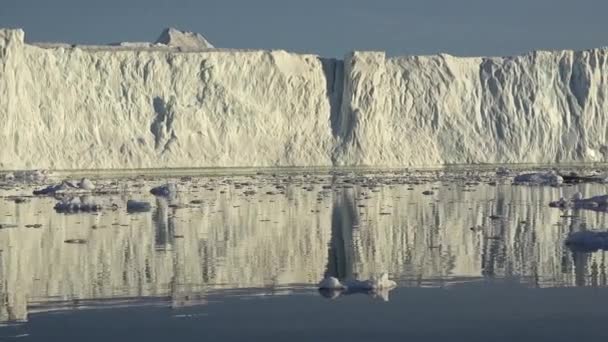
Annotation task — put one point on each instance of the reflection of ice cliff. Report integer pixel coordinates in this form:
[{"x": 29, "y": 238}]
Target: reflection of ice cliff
[{"x": 232, "y": 241}]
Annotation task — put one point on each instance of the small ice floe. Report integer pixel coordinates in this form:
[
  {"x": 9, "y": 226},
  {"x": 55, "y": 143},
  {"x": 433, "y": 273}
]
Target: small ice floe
[
  {"x": 588, "y": 241},
  {"x": 77, "y": 204},
  {"x": 167, "y": 190},
  {"x": 599, "y": 203},
  {"x": 539, "y": 178},
  {"x": 138, "y": 206},
  {"x": 331, "y": 287},
  {"x": 85, "y": 185}
]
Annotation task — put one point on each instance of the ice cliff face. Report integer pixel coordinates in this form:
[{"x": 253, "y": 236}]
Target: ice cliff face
[
  {"x": 541, "y": 107},
  {"x": 107, "y": 107}
]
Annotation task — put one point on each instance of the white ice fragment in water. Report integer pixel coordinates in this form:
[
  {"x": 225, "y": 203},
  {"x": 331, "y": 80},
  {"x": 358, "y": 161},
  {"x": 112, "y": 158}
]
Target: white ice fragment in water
[
  {"x": 331, "y": 283},
  {"x": 86, "y": 184}
]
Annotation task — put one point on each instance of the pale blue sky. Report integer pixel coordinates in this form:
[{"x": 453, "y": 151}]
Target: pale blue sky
[{"x": 327, "y": 27}]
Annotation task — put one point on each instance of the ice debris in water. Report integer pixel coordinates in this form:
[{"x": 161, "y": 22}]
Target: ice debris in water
[
  {"x": 502, "y": 171},
  {"x": 578, "y": 202},
  {"x": 587, "y": 240},
  {"x": 539, "y": 178},
  {"x": 77, "y": 204},
  {"x": 134, "y": 206},
  {"x": 167, "y": 190},
  {"x": 84, "y": 184},
  {"x": 331, "y": 287}
]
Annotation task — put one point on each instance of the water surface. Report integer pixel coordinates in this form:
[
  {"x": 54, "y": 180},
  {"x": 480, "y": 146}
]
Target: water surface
[{"x": 238, "y": 257}]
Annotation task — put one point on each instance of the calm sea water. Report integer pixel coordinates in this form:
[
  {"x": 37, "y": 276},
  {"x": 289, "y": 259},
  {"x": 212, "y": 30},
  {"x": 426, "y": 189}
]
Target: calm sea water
[{"x": 239, "y": 257}]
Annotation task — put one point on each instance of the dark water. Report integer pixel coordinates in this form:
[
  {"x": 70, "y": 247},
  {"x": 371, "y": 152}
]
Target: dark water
[{"x": 473, "y": 261}]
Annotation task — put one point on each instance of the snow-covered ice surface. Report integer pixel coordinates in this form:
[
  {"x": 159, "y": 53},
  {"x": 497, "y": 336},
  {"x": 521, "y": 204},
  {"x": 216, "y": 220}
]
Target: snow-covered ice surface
[{"x": 133, "y": 106}]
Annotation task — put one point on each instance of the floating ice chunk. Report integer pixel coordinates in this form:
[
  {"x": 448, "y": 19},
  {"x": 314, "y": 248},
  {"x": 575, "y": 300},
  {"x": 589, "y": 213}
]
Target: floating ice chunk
[
  {"x": 540, "y": 178},
  {"x": 331, "y": 287},
  {"x": 331, "y": 283},
  {"x": 66, "y": 186},
  {"x": 138, "y": 206},
  {"x": 86, "y": 184},
  {"x": 588, "y": 241},
  {"x": 51, "y": 189},
  {"x": 167, "y": 190}
]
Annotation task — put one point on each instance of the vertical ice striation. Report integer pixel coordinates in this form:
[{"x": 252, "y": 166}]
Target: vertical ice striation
[{"x": 83, "y": 107}]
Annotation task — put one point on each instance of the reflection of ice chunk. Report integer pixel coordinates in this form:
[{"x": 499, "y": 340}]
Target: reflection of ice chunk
[
  {"x": 539, "y": 178},
  {"x": 578, "y": 202},
  {"x": 137, "y": 206},
  {"x": 77, "y": 204},
  {"x": 587, "y": 240},
  {"x": 167, "y": 190}
]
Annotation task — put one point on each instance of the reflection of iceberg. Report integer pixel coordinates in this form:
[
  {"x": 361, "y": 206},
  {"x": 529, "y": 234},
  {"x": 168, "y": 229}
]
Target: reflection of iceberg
[{"x": 178, "y": 257}]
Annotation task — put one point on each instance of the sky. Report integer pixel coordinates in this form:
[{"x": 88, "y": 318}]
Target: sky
[{"x": 329, "y": 28}]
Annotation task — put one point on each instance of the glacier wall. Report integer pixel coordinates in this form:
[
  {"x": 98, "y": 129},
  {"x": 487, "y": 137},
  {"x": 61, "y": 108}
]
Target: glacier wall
[{"x": 85, "y": 107}]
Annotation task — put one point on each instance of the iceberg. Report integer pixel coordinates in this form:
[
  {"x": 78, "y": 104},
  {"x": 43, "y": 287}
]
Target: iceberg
[{"x": 180, "y": 102}]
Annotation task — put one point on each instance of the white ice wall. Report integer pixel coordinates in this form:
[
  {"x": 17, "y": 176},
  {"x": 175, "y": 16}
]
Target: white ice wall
[
  {"x": 541, "y": 107},
  {"x": 77, "y": 108},
  {"x": 103, "y": 107}
]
